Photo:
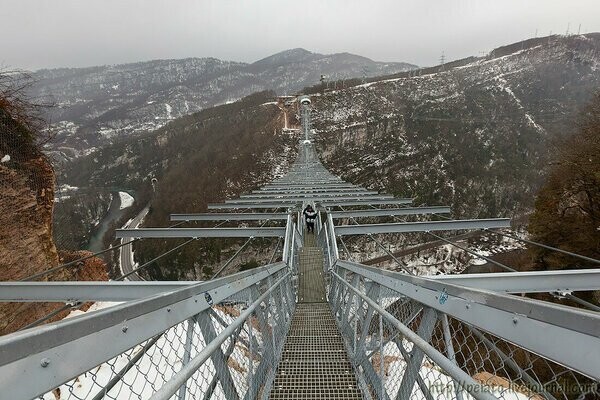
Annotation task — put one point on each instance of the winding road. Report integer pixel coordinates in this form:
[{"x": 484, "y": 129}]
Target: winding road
[{"x": 126, "y": 262}]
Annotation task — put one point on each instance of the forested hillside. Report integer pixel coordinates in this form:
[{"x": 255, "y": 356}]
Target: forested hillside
[
  {"x": 567, "y": 208},
  {"x": 477, "y": 135},
  {"x": 197, "y": 159}
]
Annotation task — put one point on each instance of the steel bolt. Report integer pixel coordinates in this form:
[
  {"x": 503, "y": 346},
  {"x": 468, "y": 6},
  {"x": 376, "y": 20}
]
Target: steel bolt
[{"x": 45, "y": 362}]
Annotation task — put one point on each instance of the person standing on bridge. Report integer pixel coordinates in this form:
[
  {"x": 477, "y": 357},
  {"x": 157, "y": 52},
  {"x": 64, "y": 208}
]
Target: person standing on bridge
[{"x": 310, "y": 215}]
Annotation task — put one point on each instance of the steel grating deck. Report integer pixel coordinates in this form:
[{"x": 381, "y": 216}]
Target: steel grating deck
[
  {"x": 314, "y": 363},
  {"x": 311, "y": 285}
]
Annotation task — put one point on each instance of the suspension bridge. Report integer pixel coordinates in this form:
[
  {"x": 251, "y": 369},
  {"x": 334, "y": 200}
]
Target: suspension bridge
[{"x": 312, "y": 323}]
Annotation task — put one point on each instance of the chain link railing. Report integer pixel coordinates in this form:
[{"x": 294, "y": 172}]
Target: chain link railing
[
  {"x": 229, "y": 349},
  {"x": 404, "y": 349}
]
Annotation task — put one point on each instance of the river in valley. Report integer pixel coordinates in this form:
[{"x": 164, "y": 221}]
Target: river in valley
[{"x": 119, "y": 203}]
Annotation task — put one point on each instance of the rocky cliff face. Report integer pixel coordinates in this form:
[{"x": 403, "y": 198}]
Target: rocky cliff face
[
  {"x": 26, "y": 202},
  {"x": 26, "y": 205}
]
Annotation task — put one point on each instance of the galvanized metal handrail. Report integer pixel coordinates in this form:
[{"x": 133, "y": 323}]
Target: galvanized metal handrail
[
  {"x": 133, "y": 322},
  {"x": 508, "y": 318},
  {"x": 474, "y": 388},
  {"x": 169, "y": 388}
]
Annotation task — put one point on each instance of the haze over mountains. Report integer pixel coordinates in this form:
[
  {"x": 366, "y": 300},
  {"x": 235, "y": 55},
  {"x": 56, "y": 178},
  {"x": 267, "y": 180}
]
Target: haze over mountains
[{"x": 97, "y": 104}]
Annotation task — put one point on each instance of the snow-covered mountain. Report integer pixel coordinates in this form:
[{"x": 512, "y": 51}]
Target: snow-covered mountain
[
  {"x": 97, "y": 104},
  {"x": 476, "y": 134}
]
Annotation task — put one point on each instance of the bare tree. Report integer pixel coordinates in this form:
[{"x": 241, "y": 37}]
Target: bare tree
[{"x": 16, "y": 101}]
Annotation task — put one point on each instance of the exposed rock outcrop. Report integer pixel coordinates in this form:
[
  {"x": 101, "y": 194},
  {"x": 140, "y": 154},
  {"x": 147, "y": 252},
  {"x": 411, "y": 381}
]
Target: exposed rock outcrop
[{"x": 26, "y": 206}]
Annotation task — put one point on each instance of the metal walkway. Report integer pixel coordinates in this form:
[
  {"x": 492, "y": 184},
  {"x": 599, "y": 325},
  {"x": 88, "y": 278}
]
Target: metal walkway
[
  {"x": 311, "y": 285},
  {"x": 311, "y": 324},
  {"x": 314, "y": 363}
]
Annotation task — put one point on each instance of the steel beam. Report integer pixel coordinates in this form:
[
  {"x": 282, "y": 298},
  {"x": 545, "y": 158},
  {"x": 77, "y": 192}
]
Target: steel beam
[
  {"x": 365, "y": 202},
  {"x": 164, "y": 233},
  {"x": 323, "y": 189},
  {"x": 309, "y": 185},
  {"x": 533, "y": 325},
  {"x": 274, "y": 204},
  {"x": 577, "y": 280},
  {"x": 404, "y": 227},
  {"x": 368, "y": 199},
  {"x": 388, "y": 212},
  {"x": 229, "y": 216},
  {"x": 323, "y": 195},
  {"x": 86, "y": 291}
]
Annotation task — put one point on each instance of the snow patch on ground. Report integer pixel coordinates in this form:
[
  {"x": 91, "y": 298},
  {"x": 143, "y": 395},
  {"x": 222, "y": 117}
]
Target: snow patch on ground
[
  {"x": 94, "y": 307},
  {"x": 126, "y": 200},
  {"x": 441, "y": 386},
  {"x": 160, "y": 362}
]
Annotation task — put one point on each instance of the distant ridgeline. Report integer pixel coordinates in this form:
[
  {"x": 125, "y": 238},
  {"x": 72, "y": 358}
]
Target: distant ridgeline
[{"x": 99, "y": 104}]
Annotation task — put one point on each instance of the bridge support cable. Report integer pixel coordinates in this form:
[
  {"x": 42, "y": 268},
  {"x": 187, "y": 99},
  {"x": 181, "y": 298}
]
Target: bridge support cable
[
  {"x": 557, "y": 293},
  {"x": 562, "y": 293},
  {"x": 148, "y": 263},
  {"x": 380, "y": 245},
  {"x": 474, "y": 253},
  {"x": 79, "y": 260},
  {"x": 39, "y": 321},
  {"x": 237, "y": 253},
  {"x": 538, "y": 244},
  {"x": 544, "y": 246}
]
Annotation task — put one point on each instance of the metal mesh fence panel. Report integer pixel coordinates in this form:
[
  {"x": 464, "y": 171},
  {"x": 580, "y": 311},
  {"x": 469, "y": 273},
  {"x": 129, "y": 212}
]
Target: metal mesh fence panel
[
  {"x": 391, "y": 366},
  {"x": 242, "y": 366}
]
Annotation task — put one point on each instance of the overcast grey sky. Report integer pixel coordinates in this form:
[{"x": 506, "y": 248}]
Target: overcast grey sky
[{"x": 54, "y": 33}]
